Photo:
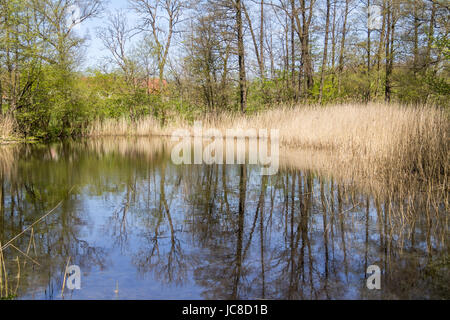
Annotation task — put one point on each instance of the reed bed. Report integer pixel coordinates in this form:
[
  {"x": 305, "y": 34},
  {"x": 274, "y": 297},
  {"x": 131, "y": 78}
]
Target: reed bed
[
  {"x": 6, "y": 291},
  {"x": 375, "y": 140}
]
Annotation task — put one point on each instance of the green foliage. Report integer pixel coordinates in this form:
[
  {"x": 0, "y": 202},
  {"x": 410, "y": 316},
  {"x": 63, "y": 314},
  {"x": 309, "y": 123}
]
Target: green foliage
[
  {"x": 442, "y": 43},
  {"x": 41, "y": 89},
  {"x": 57, "y": 107},
  {"x": 330, "y": 90},
  {"x": 422, "y": 88}
]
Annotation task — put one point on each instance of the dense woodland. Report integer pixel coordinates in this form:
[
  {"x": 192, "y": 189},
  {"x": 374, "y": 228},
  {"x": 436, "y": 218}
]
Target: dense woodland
[{"x": 210, "y": 56}]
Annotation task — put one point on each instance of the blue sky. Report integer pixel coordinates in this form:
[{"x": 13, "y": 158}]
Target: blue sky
[{"x": 95, "y": 50}]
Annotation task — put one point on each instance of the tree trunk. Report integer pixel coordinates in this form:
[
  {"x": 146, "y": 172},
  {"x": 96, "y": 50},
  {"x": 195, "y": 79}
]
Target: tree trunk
[
  {"x": 261, "y": 42},
  {"x": 430, "y": 34},
  {"x": 368, "y": 53},
  {"x": 333, "y": 42},
  {"x": 416, "y": 38},
  {"x": 292, "y": 45},
  {"x": 342, "y": 48},
  {"x": 309, "y": 68},
  {"x": 255, "y": 43},
  {"x": 325, "y": 52},
  {"x": 242, "y": 76},
  {"x": 387, "y": 90},
  {"x": 381, "y": 45}
]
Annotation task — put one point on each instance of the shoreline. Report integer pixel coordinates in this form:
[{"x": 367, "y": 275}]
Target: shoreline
[{"x": 380, "y": 141}]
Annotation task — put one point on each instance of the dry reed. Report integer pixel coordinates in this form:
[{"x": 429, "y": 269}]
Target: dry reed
[{"x": 376, "y": 140}]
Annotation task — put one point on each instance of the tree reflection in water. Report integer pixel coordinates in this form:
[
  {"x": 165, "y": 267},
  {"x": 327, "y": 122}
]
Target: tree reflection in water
[{"x": 222, "y": 231}]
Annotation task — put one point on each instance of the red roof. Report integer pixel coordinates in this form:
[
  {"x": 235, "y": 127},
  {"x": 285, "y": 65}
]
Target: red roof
[{"x": 153, "y": 85}]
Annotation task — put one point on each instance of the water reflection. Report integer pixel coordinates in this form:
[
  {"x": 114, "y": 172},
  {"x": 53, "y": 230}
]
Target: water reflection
[{"x": 130, "y": 217}]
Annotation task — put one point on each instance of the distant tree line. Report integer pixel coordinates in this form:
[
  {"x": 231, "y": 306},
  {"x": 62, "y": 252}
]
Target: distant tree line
[{"x": 209, "y": 56}]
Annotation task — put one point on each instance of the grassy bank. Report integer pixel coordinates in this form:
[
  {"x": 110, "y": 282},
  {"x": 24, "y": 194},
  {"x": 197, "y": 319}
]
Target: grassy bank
[{"x": 377, "y": 140}]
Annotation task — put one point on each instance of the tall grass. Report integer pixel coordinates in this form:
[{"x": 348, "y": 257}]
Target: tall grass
[
  {"x": 377, "y": 140},
  {"x": 6, "y": 291}
]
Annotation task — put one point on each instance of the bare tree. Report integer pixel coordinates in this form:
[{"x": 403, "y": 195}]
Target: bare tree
[
  {"x": 304, "y": 35},
  {"x": 325, "y": 50},
  {"x": 241, "y": 57},
  {"x": 56, "y": 25},
  {"x": 160, "y": 18},
  {"x": 116, "y": 36},
  {"x": 392, "y": 17},
  {"x": 342, "y": 48},
  {"x": 259, "y": 46},
  {"x": 369, "y": 43}
]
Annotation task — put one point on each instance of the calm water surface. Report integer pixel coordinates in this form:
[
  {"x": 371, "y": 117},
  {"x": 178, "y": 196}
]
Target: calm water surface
[{"x": 141, "y": 227}]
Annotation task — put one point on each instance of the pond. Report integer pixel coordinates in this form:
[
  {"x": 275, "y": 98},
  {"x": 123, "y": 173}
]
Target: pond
[{"x": 140, "y": 227}]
